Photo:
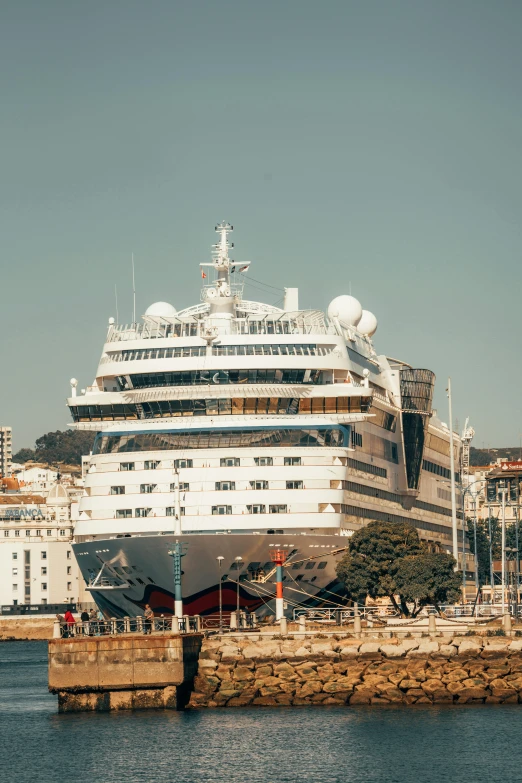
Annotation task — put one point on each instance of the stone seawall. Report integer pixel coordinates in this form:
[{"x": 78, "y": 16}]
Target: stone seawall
[{"x": 276, "y": 671}]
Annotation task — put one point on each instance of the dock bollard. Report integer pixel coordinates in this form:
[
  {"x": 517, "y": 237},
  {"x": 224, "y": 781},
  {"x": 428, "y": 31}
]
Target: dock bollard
[
  {"x": 302, "y": 623},
  {"x": 357, "y": 625},
  {"x": 56, "y": 630},
  {"x": 283, "y": 625},
  {"x": 506, "y": 622},
  {"x": 139, "y": 623},
  {"x": 432, "y": 624},
  {"x": 175, "y": 626},
  {"x": 126, "y": 624},
  {"x": 113, "y": 625},
  {"x": 233, "y": 621},
  {"x": 243, "y": 620}
]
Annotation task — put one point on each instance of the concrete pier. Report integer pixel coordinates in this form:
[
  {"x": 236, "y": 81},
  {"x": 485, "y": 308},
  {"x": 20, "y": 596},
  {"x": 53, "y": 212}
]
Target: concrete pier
[{"x": 125, "y": 672}]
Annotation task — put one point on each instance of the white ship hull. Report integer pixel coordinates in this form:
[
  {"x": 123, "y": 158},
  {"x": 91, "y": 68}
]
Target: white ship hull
[{"x": 311, "y": 577}]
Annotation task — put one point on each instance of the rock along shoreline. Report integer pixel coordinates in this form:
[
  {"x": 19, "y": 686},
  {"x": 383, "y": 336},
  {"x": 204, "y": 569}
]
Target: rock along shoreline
[{"x": 275, "y": 671}]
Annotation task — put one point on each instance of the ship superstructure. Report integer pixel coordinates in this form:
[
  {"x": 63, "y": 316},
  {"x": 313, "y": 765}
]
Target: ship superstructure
[{"x": 236, "y": 425}]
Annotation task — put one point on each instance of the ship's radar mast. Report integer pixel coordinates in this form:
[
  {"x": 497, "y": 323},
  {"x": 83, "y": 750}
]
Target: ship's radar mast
[{"x": 221, "y": 295}]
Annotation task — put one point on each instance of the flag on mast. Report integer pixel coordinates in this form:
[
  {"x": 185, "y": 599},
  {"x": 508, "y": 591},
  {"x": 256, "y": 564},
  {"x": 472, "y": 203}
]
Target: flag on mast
[{"x": 203, "y": 274}]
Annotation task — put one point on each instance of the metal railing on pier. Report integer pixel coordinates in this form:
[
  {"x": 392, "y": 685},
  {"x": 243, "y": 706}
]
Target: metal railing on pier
[
  {"x": 115, "y": 626},
  {"x": 345, "y": 615}
]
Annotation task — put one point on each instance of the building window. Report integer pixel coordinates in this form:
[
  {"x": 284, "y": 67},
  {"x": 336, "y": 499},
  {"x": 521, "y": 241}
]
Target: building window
[
  {"x": 15, "y": 555},
  {"x": 183, "y": 486},
  {"x": 49, "y": 532},
  {"x": 259, "y": 485},
  {"x": 117, "y": 491},
  {"x": 146, "y": 489},
  {"x": 151, "y": 464},
  {"x": 171, "y": 511},
  {"x": 257, "y": 508},
  {"x": 17, "y": 534},
  {"x": 44, "y": 570},
  {"x": 15, "y": 588},
  {"x": 294, "y": 485},
  {"x": 123, "y": 513},
  {"x": 15, "y": 571},
  {"x": 68, "y": 554},
  {"x": 225, "y": 485},
  {"x": 292, "y": 461},
  {"x": 142, "y": 512},
  {"x": 263, "y": 461},
  {"x": 44, "y": 555},
  {"x": 182, "y": 463},
  {"x": 62, "y": 532},
  {"x": 69, "y": 569},
  {"x": 126, "y": 465},
  {"x": 356, "y": 439},
  {"x": 6, "y": 533},
  {"x": 279, "y": 509},
  {"x": 38, "y": 532},
  {"x": 221, "y": 510},
  {"x": 44, "y": 585},
  {"x": 229, "y": 462},
  {"x": 27, "y": 532},
  {"x": 69, "y": 585}
]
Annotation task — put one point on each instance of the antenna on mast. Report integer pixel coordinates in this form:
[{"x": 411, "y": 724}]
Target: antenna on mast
[{"x": 133, "y": 294}]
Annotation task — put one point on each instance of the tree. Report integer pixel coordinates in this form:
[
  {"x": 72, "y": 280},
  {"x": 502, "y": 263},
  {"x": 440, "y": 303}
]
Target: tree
[
  {"x": 24, "y": 455},
  {"x": 427, "y": 579},
  {"x": 54, "y": 447},
  {"x": 373, "y": 566}
]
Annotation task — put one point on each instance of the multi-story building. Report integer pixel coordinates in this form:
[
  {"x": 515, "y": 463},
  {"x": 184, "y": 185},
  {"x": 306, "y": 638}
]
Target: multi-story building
[
  {"x": 6, "y": 450},
  {"x": 37, "y": 565}
]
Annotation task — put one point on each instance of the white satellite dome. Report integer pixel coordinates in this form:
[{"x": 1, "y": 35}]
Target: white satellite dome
[
  {"x": 368, "y": 323},
  {"x": 161, "y": 310},
  {"x": 347, "y": 310}
]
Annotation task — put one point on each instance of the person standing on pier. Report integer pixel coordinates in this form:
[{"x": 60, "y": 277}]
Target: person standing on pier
[
  {"x": 70, "y": 622},
  {"x": 149, "y": 618}
]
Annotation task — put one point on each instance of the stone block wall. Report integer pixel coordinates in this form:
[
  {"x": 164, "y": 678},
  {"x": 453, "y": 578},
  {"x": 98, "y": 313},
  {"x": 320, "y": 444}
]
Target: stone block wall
[
  {"x": 289, "y": 671},
  {"x": 123, "y": 672}
]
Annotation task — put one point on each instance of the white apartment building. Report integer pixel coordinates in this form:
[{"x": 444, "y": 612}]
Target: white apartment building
[
  {"x": 6, "y": 450},
  {"x": 37, "y": 565}
]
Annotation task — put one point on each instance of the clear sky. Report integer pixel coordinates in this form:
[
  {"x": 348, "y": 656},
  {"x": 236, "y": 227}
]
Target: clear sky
[{"x": 373, "y": 143}]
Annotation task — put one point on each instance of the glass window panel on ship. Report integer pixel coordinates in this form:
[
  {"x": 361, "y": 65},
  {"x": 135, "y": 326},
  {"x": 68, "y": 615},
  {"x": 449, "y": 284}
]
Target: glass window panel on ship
[
  {"x": 289, "y": 406},
  {"x": 334, "y": 436},
  {"x": 211, "y": 378}
]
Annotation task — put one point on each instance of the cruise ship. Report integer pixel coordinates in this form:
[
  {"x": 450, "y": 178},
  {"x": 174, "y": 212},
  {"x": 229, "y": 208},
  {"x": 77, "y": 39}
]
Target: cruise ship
[{"x": 235, "y": 428}]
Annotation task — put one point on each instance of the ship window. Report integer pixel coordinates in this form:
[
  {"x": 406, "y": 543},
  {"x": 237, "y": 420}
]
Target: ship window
[
  {"x": 298, "y": 577},
  {"x": 142, "y": 512},
  {"x": 147, "y": 488},
  {"x": 263, "y": 461},
  {"x": 257, "y": 508},
  {"x": 123, "y": 513},
  {"x": 259, "y": 485},
  {"x": 321, "y": 565},
  {"x": 329, "y": 436},
  {"x": 127, "y": 466},
  {"x": 278, "y": 509},
  {"x": 171, "y": 512},
  {"x": 183, "y": 486},
  {"x": 294, "y": 485},
  {"x": 151, "y": 464},
  {"x": 182, "y": 463},
  {"x": 221, "y": 510},
  {"x": 225, "y": 485},
  {"x": 229, "y": 462},
  {"x": 117, "y": 490},
  {"x": 309, "y": 566},
  {"x": 292, "y": 461}
]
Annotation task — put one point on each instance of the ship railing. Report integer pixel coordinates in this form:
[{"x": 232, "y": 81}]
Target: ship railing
[
  {"x": 118, "y": 626},
  {"x": 341, "y": 616}
]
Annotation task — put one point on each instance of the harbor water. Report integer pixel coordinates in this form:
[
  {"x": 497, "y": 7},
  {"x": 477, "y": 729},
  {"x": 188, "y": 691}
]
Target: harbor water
[{"x": 258, "y": 745}]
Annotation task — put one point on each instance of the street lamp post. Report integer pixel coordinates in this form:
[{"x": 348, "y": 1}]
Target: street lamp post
[
  {"x": 503, "y": 491},
  {"x": 238, "y": 561},
  {"x": 220, "y": 559},
  {"x": 474, "y": 496}
]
